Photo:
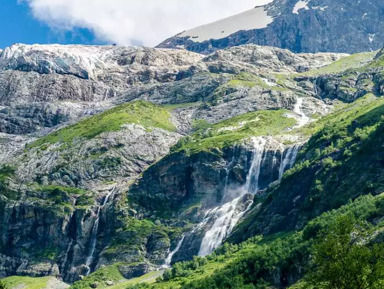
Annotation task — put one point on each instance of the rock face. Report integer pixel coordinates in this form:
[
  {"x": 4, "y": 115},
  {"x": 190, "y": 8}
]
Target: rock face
[
  {"x": 90, "y": 175},
  {"x": 298, "y": 25},
  {"x": 44, "y": 86},
  {"x": 223, "y": 183}
]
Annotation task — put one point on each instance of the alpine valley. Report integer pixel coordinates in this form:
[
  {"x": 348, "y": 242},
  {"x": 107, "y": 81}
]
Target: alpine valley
[{"x": 132, "y": 167}]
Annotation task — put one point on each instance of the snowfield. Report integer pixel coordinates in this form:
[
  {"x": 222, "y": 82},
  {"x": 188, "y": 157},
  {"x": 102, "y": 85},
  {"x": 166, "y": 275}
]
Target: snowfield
[{"x": 256, "y": 18}]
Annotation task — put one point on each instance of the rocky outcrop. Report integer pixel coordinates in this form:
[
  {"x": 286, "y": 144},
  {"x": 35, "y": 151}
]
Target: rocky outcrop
[
  {"x": 300, "y": 26},
  {"x": 44, "y": 87},
  {"x": 116, "y": 157}
]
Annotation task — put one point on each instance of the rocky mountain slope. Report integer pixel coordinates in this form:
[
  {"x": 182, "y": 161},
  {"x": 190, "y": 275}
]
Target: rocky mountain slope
[
  {"x": 119, "y": 161},
  {"x": 298, "y": 25}
]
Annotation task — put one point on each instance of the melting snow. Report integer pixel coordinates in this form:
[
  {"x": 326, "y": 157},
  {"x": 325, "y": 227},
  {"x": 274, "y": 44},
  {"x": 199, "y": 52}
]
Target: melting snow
[
  {"x": 256, "y": 18},
  {"x": 300, "y": 5},
  {"x": 319, "y": 8}
]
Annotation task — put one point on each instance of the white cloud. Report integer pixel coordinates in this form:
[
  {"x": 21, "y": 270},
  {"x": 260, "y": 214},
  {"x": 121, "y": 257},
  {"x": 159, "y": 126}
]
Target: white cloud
[{"x": 127, "y": 22}]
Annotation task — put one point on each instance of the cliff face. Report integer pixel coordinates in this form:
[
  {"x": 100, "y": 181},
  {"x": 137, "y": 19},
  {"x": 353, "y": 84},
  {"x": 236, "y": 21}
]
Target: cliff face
[
  {"x": 137, "y": 156},
  {"x": 300, "y": 26}
]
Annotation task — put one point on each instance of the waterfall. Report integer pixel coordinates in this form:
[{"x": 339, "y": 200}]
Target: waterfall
[
  {"x": 168, "y": 260},
  {"x": 93, "y": 241},
  {"x": 226, "y": 219},
  {"x": 303, "y": 118},
  {"x": 226, "y": 216},
  {"x": 252, "y": 183},
  {"x": 95, "y": 229},
  {"x": 288, "y": 159},
  {"x": 221, "y": 220},
  {"x": 227, "y": 171}
]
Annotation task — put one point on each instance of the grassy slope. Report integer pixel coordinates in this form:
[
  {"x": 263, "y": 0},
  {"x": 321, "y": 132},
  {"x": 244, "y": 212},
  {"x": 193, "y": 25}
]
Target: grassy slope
[
  {"x": 26, "y": 282},
  {"x": 343, "y": 160},
  {"x": 278, "y": 260},
  {"x": 228, "y": 132},
  {"x": 350, "y": 62},
  {"x": 140, "y": 112}
]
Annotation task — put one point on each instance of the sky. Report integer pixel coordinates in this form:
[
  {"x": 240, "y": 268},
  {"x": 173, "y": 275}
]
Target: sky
[{"x": 124, "y": 22}]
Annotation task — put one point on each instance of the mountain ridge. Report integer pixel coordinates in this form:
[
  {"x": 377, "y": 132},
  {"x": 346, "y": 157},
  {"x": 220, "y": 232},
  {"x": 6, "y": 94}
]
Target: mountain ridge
[{"x": 300, "y": 26}]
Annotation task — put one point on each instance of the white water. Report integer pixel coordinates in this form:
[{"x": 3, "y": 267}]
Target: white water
[
  {"x": 252, "y": 183},
  {"x": 168, "y": 260},
  {"x": 223, "y": 225},
  {"x": 288, "y": 159},
  {"x": 226, "y": 216},
  {"x": 226, "y": 194},
  {"x": 303, "y": 118},
  {"x": 95, "y": 229}
]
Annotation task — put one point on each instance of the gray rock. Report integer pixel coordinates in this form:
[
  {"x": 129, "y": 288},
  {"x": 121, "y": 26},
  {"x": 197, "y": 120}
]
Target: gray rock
[{"x": 323, "y": 25}]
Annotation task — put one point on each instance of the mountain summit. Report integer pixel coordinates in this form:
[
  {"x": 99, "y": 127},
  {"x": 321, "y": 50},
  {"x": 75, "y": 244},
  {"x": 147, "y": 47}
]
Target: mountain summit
[{"x": 298, "y": 25}]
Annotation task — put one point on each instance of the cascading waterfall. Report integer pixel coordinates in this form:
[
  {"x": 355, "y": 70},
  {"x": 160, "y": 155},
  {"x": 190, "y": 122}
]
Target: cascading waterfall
[
  {"x": 252, "y": 183},
  {"x": 95, "y": 229},
  {"x": 168, "y": 260},
  {"x": 303, "y": 118},
  {"x": 226, "y": 219},
  {"x": 288, "y": 159},
  {"x": 226, "y": 216},
  {"x": 226, "y": 182}
]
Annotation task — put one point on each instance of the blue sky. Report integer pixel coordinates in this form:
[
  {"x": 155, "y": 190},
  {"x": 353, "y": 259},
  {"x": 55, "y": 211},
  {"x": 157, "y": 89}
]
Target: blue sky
[
  {"x": 124, "y": 22},
  {"x": 17, "y": 25}
]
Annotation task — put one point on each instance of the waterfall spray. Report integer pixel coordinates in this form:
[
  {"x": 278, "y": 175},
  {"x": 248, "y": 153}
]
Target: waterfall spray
[{"x": 226, "y": 216}]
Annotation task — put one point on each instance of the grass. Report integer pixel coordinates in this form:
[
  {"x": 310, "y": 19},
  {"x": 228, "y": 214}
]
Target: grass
[
  {"x": 258, "y": 262},
  {"x": 139, "y": 112},
  {"x": 343, "y": 114},
  {"x": 147, "y": 278},
  {"x": 111, "y": 273},
  {"x": 354, "y": 61},
  {"x": 236, "y": 129},
  {"x": 55, "y": 189},
  {"x": 249, "y": 80},
  {"x": 26, "y": 282},
  {"x": 101, "y": 276}
]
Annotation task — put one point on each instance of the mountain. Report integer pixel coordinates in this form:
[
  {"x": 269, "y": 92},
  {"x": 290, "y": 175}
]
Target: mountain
[
  {"x": 118, "y": 163},
  {"x": 298, "y": 25}
]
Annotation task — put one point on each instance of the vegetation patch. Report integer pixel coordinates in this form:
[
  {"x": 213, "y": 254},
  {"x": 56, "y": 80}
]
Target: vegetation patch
[
  {"x": 228, "y": 132},
  {"x": 26, "y": 282},
  {"x": 285, "y": 259},
  {"x": 139, "y": 112},
  {"x": 353, "y": 61},
  {"x": 100, "y": 278}
]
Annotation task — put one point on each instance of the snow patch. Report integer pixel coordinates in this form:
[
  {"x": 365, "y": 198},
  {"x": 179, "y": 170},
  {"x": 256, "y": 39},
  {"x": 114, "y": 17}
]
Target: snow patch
[
  {"x": 256, "y": 18},
  {"x": 320, "y": 8},
  {"x": 302, "y": 4}
]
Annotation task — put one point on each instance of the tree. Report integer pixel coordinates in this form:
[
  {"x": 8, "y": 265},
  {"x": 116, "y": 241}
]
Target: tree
[
  {"x": 344, "y": 259},
  {"x": 2, "y": 285}
]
